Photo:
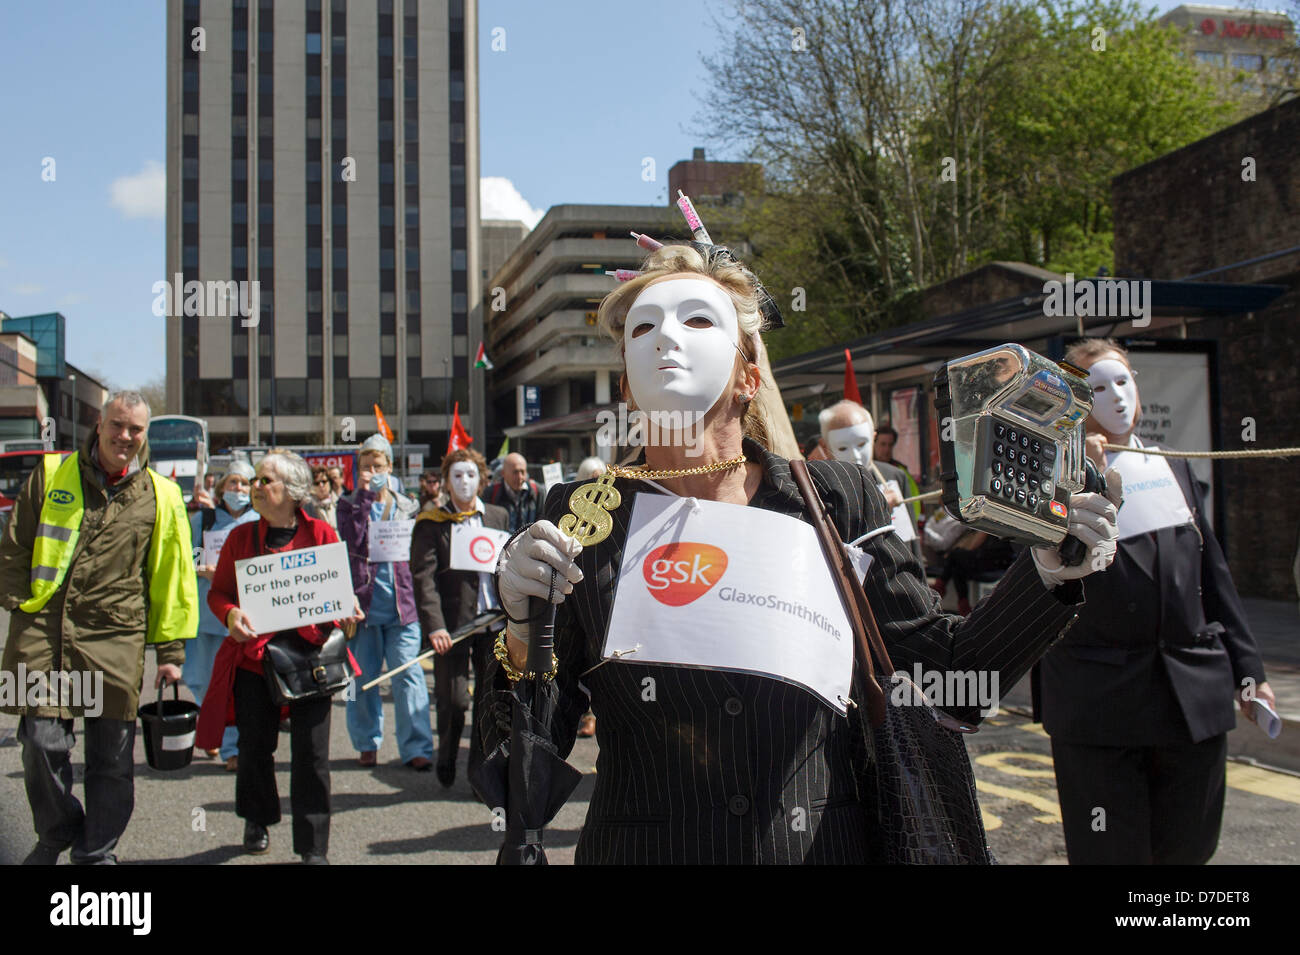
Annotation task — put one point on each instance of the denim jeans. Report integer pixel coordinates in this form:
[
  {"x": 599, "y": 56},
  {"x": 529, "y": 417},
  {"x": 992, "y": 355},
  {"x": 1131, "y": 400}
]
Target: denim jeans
[
  {"x": 395, "y": 644},
  {"x": 197, "y": 674}
]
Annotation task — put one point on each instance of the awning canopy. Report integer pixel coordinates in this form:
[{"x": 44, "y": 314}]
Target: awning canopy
[{"x": 896, "y": 352}]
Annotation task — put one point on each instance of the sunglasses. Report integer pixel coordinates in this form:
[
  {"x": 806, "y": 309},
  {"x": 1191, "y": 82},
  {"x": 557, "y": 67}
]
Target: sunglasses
[
  {"x": 264, "y": 481},
  {"x": 322, "y": 481}
]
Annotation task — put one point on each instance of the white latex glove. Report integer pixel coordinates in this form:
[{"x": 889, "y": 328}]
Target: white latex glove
[
  {"x": 525, "y": 571},
  {"x": 1093, "y": 519}
]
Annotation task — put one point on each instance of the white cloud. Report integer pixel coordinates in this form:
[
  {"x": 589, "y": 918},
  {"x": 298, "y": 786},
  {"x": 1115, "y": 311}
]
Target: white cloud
[
  {"x": 28, "y": 289},
  {"x": 499, "y": 199},
  {"x": 142, "y": 195}
]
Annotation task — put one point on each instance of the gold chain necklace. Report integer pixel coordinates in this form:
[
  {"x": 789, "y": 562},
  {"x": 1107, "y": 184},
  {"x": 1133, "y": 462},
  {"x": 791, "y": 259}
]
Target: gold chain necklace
[{"x": 639, "y": 473}]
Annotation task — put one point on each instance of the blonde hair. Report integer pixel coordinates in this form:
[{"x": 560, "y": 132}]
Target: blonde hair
[
  {"x": 737, "y": 282},
  {"x": 1090, "y": 350}
]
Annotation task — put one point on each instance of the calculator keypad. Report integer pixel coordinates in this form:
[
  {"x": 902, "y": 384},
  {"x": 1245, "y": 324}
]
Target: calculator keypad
[{"x": 1020, "y": 468}]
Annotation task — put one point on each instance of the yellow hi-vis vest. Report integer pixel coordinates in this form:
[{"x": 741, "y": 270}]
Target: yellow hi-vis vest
[{"x": 173, "y": 587}]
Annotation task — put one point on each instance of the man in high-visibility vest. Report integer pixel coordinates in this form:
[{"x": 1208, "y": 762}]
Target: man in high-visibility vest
[{"x": 95, "y": 565}]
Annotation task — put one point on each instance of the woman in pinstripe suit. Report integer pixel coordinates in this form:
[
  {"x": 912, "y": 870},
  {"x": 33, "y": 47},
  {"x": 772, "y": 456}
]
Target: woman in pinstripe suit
[{"x": 720, "y": 767}]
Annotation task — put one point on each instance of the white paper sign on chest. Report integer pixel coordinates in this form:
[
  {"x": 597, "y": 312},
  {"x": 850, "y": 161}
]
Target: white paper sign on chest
[
  {"x": 476, "y": 548},
  {"x": 390, "y": 541},
  {"x": 295, "y": 588},
  {"x": 719, "y": 586}
]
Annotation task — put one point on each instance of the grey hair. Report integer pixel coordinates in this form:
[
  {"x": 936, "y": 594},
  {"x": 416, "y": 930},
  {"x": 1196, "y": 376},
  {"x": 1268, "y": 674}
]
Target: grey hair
[
  {"x": 293, "y": 471},
  {"x": 129, "y": 399},
  {"x": 826, "y": 414}
]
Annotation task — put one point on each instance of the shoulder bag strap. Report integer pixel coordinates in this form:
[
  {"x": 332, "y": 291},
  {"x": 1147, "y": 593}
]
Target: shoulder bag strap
[{"x": 871, "y": 653}]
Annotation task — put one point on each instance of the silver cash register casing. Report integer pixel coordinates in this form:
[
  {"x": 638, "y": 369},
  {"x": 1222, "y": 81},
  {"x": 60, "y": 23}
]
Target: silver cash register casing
[{"x": 978, "y": 392}]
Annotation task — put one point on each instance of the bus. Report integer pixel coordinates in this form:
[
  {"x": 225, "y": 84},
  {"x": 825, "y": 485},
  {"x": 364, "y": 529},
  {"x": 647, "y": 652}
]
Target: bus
[
  {"x": 14, "y": 468},
  {"x": 178, "y": 449}
]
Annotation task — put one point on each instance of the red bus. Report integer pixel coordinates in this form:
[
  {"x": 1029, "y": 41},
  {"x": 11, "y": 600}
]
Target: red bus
[{"x": 14, "y": 468}]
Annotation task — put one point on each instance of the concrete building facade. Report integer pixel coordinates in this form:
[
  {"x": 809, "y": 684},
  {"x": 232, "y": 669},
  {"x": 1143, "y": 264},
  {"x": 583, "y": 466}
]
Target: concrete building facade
[
  {"x": 540, "y": 309},
  {"x": 326, "y": 150}
]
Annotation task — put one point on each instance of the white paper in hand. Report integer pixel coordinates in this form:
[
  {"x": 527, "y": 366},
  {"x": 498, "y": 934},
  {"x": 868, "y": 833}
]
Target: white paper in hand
[{"x": 1266, "y": 719}]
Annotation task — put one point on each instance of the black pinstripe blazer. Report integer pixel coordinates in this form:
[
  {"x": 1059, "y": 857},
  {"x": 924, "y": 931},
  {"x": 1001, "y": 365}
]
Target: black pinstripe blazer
[{"x": 716, "y": 767}]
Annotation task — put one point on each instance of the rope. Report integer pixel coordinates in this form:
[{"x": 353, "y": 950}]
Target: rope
[{"x": 1254, "y": 453}]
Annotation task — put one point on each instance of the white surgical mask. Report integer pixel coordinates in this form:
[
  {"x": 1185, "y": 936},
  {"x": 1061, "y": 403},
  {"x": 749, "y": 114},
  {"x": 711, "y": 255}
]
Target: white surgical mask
[
  {"x": 463, "y": 477},
  {"x": 1114, "y": 396},
  {"x": 679, "y": 343},
  {"x": 852, "y": 444}
]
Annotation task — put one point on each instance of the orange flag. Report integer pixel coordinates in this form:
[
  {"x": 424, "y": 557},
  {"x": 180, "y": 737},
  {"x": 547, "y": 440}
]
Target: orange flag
[
  {"x": 459, "y": 436},
  {"x": 382, "y": 425}
]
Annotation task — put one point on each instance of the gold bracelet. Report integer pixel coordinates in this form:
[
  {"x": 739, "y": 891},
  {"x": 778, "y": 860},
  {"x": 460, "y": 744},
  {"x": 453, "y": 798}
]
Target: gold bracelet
[{"x": 502, "y": 653}]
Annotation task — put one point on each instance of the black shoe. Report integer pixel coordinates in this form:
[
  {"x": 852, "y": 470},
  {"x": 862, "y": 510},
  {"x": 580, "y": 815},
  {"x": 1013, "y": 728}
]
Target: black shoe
[
  {"x": 446, "y": 774},
  {"x": 43, "y": 854},
  {"x": 314, "y": 858},
  {"x": 256, "y": 839}
]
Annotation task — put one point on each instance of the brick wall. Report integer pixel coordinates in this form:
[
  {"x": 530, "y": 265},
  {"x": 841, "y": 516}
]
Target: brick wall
[{"x": 1188, "y": 212}]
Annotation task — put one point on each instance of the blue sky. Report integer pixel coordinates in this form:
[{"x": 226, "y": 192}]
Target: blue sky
[{"x": 584, "y": 90}]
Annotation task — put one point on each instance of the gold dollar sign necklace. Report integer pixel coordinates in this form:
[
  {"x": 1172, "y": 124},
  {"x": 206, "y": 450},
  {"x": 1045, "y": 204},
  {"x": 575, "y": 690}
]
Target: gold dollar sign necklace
[{"x": 589, "y": 521}]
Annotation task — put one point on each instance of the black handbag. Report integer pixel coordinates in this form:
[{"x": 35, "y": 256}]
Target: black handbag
[
  {"x": 297, "y": 669},
  {"x": 914, "y": 775}
]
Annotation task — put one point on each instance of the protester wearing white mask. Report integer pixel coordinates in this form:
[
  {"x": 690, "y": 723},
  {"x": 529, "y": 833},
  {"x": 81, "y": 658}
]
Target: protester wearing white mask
[
  {"x": 704, "y": 768},
  {"x": 847, "y": 435},
  {"x": 448, "y": 599},
  {"x": 1138, "y": 696}
]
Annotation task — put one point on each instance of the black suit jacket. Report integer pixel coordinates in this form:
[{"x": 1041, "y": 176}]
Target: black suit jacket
[
  {"x": 704, "y": 766},
  {"x": 1161, "y": 647},
  {"x": 444, "y": 598}
]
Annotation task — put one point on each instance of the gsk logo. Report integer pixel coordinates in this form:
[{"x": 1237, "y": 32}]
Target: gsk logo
[
  {"x": 676, "y": 574},
  {"x": 58, "y": 496}
]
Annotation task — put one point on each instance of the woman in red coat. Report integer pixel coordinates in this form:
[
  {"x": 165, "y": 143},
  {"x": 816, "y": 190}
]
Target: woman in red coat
[{"x": 238, "y": 692}]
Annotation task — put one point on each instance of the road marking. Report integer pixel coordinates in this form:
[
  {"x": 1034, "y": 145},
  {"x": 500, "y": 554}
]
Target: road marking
[
  {"x": 1262, "y": 782},
  {"x": 1034, "y": 728},
  {"x": 1051, "y": 811},
  {"x": 991, "y": 821},
  {"x": 1000, "y": 762}
]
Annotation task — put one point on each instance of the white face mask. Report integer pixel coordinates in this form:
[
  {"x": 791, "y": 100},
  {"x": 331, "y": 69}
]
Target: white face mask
[
  {"x": 679, "y": 344},
  {"x": 463, "y": 476},
  {"x": 852, "y": 444},
  {"x": 1114, "y": 396}
]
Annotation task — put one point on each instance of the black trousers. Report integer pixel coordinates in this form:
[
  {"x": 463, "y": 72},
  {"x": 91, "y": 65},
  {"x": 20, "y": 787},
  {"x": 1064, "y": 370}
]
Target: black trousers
[
  {"x": 58, "y": 817},
  {"x": 452, "y": 695},
  {"x": 1159, "y": 805},
  {"x": 256, "y": 797}
]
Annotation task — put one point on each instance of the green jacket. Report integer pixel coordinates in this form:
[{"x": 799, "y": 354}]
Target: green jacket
[{"x": 98, "y": 621}]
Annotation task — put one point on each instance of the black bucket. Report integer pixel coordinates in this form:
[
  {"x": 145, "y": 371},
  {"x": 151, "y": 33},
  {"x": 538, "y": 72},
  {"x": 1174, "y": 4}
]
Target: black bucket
[{"x": 169, "y": 727}]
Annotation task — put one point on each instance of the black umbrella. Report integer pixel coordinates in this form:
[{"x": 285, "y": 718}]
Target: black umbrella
[{"x": 525, "y": 773}]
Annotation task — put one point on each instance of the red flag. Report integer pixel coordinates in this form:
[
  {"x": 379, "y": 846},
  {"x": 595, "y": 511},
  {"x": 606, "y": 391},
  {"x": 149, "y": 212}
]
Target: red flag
[
  {"x": 382, "y": 425},
  {"x": 459, "y": 436},
  {"x": 850, "y": 380}
]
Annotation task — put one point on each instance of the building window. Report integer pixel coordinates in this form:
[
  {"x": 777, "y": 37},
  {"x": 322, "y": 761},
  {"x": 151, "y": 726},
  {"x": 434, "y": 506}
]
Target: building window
[
  {"x": 313, "y": 43},
  {"x": 458, "y": 260},
  {"x": 1248, "y": 61},
  {"x": 1211, "y": 57}
]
